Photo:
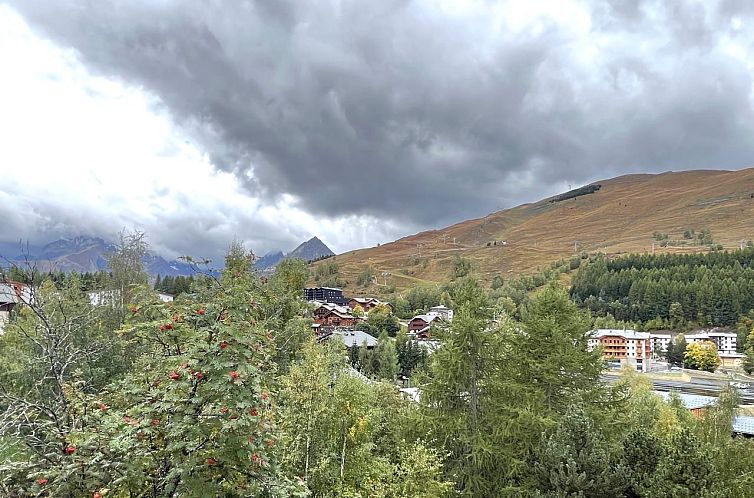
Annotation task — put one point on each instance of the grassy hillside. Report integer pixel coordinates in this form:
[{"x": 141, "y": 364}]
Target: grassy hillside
[{"x": 621, "y": 217}]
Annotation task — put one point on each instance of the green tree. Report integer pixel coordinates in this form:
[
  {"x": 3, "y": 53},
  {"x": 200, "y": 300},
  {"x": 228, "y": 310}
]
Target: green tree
[
  {"x": 290, "y": 277},
  {"x": 487, "y": 423},
  {"x": 748, "y": 349},
  {"x": 308, "y": 388},
  {"x": 461, "y": 267},
  {"x": 385, "y": 358},
  {"x": 676, "y": 351},
  {"x": 419, "y": 474},
  {"x": 676, "y": 315},
  {"x": 701, "y": 356},
  {"x": 366, "y": 276},
  {"x": 410, "y": 354},
  {"x": 327, "y": 274},
  {"x": 365, "y": 360},
  {"x": 576, "y": 461},
  {"x": 345, "y": 437},
  {"x": 358, "y": 311},
  {"x": 552, "y": 351},
  {"x": 643, "y": 452},
  {"x": 747, "y": 362},
  {"x": 686, "y": 471},
  {"x": 196, "y": 416},
  {"x": 497, "y": 282},
  {"x": 744, "y": 326},
  {"x": 381, "y": 318},
  {"x": 126, "y": 267},
  {"x": 54, "y": 354}
]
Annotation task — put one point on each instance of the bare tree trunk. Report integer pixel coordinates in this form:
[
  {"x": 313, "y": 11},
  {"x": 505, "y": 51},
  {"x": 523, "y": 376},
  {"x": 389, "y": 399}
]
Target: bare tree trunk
[{"x": 343, "y": 457}]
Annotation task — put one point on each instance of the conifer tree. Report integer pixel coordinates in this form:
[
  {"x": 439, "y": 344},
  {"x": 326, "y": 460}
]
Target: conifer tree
[
  {"x": 553, "y": 353},
  {"x": 473, "y": 404},
  {"x": 386, "y": 358},
  {"x": 575, "y": 460},
  {"x": 365, "y": 360}
]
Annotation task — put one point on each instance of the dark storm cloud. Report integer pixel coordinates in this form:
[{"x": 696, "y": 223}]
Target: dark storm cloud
[
  {"x": 203, "y": 234},
  {"x": 395, "y": 109}
]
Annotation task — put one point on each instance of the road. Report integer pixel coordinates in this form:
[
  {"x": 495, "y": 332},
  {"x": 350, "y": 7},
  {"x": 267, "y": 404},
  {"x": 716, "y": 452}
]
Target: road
[{"x": 704, "y": 387}]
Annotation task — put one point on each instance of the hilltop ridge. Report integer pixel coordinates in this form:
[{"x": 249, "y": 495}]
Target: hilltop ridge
[{"x": 621, "y": 216}]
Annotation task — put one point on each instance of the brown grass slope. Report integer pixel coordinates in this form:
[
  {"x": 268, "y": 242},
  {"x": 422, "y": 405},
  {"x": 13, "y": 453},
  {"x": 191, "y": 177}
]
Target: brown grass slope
[{"x": 619, "y": 218}]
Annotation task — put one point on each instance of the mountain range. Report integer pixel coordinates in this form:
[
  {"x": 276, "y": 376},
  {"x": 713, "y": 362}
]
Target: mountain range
[
  {"x": 633, "y": 213},
  {"x": 311, "y": 250},
  {"x": 83, "y": 254},
  {"x": 87, "y": 254},
  {"x": 628, "y": 214}
]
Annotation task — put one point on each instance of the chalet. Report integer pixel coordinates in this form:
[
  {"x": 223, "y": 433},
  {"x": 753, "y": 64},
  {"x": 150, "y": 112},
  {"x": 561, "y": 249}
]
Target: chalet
[
  {"x": 333, "y": 315},
  {"x": 366, "y": 303},
  {"x": 325, "y": 295},
  {"x": 731, "y": 360},
  {"x": 11, "y": 295},
  {"x": 420, "y": 324},
  {"x": 443, "y": 311}
]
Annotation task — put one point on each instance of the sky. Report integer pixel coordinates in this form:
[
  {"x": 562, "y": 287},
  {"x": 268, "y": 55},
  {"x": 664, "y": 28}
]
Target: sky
[{"x": 272, "y": 121}]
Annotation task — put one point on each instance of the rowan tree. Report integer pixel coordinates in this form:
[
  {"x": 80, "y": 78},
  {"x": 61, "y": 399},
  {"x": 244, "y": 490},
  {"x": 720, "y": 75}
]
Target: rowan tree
[{"x": 197, "y": 415}]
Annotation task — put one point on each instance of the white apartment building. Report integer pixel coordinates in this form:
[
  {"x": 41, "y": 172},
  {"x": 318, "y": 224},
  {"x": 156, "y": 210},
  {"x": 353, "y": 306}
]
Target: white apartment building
[
  {"x": 725, "y": 341},
  {"x": 660, "y": 343},
  {"x": 629, "y": 347}
]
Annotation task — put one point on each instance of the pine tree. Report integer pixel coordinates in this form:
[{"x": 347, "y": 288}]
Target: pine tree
[
  {"x": 576, "y": 460},
  {"x": 385, "y": 358},
  {"x": 676, "y": 350},
  {"x": 365, "y": 360}
]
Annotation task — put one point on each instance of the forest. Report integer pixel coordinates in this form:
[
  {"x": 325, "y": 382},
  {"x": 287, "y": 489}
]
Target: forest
[
  {"x": 670, "y": 290},
  {"x": 226, "y": 393}
]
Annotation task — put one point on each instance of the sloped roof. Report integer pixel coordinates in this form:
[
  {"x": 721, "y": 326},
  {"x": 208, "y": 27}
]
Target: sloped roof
[
  {"x": 426, "y": 317},
  {"x": 367, "y": 300},
  {"x": 626, "y": 334},
  {"x": 690, "y": 401},
  {"x": 743, "y": 425},
  {"x": 353, "y": 338},
  {"x": 343, "y": 310},
  {"x": 9, "y": 294}
]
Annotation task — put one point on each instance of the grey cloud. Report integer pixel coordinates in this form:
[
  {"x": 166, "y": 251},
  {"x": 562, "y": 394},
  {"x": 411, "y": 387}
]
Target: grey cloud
[
  {"x": 196, "y": 233},
  {"x": 391, "y": 109}
]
